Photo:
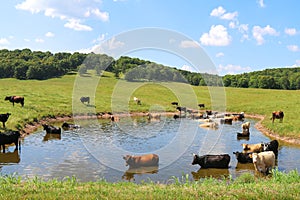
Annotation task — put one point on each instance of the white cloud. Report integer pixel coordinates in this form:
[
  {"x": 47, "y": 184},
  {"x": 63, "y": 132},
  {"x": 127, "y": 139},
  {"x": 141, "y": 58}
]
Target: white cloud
[
  {"x": 258, "y": 33},
  {"x": 290, "y": 31},
  {"x": 188, "y": 68},
  {"x": 75, "y": 24},
  {"x": 217, "y": 36},
  {"x": 217, "y": 12},
  {"x": 298, "y": 62},
  {"x": 104, "y": 47},
  {"x": 49, "y": 34},
  {"x": 67, "y": 10},
  {"x": 232, "y": 69},
  {"x": 189, "y": 44},
  {"x": 220, "y": 54},
  {"x": 39, "y": 40},
  {"x": 261, "y": 3},
  {"x": 293, "y": 48},
  {"x": 4, "y": 41},
  {"x": 221, "y": 13}
]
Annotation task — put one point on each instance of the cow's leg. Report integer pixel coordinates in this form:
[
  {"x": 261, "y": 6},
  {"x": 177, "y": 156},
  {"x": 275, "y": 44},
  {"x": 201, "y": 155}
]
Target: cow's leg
[
  {"x": 3, "y": 147},
  {"x": 3, "y": 124}
]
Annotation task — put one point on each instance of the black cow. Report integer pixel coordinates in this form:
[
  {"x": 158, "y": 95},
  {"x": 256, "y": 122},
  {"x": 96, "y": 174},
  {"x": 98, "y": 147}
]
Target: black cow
[
  {"x": 15, "y": 99},
  {"x": 272, "y": 146},
  {"x": 85, "y": 99},
  {"x": 67, "y": 126},
  {"x": 8, "y": 138},
  {"x": 181, "y": 108},
  {"x": 201, "y": 105},
  {"x": 4, "y": 118},
  {"x": 174, "y": 103},
  {"x": 243, "y": 157},
  {"x": 212, "y": 161},
  {"x": 51, "y": 129}
]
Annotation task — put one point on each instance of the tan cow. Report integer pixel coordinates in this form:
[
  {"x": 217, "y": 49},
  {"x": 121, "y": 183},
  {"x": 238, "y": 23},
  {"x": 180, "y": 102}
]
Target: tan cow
[
  {"x": 146, "y": 160},
  {"x": 263, "y": 161},
  {"x": 253, "y": 148}
]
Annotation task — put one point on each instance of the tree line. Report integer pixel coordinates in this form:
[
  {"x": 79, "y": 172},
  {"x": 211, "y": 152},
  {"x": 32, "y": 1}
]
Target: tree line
[
  {"x": 279, "y": 78},
  {"x": 27, "y": 64}
]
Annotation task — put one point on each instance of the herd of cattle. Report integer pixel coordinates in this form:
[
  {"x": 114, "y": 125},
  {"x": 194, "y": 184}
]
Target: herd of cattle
[{"x": 262, "y": 155}]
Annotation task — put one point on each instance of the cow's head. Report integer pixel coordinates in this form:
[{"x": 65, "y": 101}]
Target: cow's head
[{"x": 128, "y": 159}]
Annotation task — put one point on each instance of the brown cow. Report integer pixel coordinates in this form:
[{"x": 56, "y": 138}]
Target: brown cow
[
  {"x": 15, "y": 99},
  {"x": 277, "y": 115},
  {"x": 254, "y": 148},
  {"x": 141, "y": 161}
]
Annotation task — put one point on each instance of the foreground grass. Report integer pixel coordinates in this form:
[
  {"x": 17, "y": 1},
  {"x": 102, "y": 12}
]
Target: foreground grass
[
  {"x": 277, "y": 186},
  {"x": 60, "y": 96}
]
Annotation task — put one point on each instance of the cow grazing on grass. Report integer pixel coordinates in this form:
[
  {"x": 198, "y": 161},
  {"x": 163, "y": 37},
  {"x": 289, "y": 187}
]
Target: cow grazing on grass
[
  {"x": 4, "y": 118},
  {"x": 137, "y": 100},
  {"x": 201, "y": 105},
  {"x": 212, "y": 161},
  {"x": 9, "y": 137},
  {"x": 263, "y": 161},
  {"x": 243, "y": 157},
  {"x": 272, "y": 146},
  {"x": 277, "y": 115},
  {"x": 85, "y": 99},
  {"x": 253, "y": 148},
  {"x": 147, "y": 160},
  {"x": 51, "y": 129},
  {"x": 174, "y": 103},
  {"x": 15, "y": 99}
]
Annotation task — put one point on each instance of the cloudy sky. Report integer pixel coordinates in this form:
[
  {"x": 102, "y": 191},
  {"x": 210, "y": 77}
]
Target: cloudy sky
[{"x": 238, "y": 36}]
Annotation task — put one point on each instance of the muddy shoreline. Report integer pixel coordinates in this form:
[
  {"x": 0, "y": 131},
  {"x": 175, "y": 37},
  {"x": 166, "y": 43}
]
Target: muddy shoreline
[{"x": 34, "y": 126}]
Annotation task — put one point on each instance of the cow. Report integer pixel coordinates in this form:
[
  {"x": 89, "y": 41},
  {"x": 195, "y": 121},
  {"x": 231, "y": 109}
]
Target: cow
[
  {"x": 238, "y": 116},
  {"x": 15, "y": 99},
  {"x": 277, "y": 115},
  {"x": 201, "y": 105},
  {"x": 212, "y": 161},
  {"x": 146, "y": 160},
  {"x": 226, "y": 120},
  {"x": 181, "y": 109},
  {"x": 85, "y": 99},
  {"x": 51, "y": 129},
  {"x": 253, "y": 148},
  {"x": 4, "y": 118},
  {"x": 137, "y": 100},
  {"x": 243, "y": 157},
  {"x": 263, "y": 161},
  {"x": 153, "y": 116},
  {"x": 213, "y": 125},
  {"x": 68, "y": 126},
  {"x": 174, "y": 103},
  {"x": 9, "y": 137},
  {"x": 245, "y": 128},
  {"x": 272, "y": 146}
]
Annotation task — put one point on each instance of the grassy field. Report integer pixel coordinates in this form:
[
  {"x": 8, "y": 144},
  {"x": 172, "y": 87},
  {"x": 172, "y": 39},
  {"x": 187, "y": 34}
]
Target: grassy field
[
  {"x": 278, "y": 186},
  {"x": 60, "y": 96}
]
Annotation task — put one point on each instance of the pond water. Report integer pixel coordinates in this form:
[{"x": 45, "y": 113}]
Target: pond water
[{"x": 96, "y": 150}]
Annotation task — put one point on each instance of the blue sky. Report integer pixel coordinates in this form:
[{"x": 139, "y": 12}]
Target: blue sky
[{"x": 238, "y": 36}]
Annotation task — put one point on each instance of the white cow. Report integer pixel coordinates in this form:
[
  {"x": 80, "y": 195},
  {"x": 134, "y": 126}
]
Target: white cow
[{"x": 263, "y": 161}]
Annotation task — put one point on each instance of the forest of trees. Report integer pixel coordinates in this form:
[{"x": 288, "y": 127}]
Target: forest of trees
[{"x": 27, "y": 64}]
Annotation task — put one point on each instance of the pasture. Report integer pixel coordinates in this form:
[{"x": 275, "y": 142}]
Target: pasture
[{"x": 54, "y": 97}]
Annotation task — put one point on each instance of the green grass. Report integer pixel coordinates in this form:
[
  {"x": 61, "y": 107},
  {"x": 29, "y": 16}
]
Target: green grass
[
  {"x": 278, "y": 185},
  {"x": 60, "y": 96}
]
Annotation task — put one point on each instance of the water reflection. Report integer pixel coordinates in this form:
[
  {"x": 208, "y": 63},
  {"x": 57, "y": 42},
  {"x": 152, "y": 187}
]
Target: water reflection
[
  {"x": 211, "y": 172},
  {"x": 51, "y": 136},
  {"x": 10, "y": 157},
  {"x": 130, "y": 173}
]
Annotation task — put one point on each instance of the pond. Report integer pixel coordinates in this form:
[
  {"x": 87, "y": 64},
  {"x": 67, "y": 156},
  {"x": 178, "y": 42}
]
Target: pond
[{"x": 96, "y": 150}]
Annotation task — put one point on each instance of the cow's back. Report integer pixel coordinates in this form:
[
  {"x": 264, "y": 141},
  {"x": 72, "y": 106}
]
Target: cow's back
[{"x": 216, "y": 161}]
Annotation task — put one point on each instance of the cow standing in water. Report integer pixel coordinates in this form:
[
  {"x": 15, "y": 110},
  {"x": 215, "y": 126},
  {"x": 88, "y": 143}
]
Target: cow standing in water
[
  {"x": 15, "y": 99},
  {"x": 147, "y": 160}
]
